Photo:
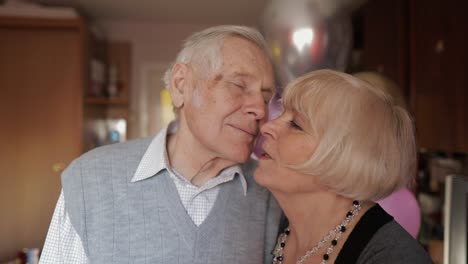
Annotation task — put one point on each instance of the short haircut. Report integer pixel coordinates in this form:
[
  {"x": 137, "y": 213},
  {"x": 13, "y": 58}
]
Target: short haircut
[
  {"x": 366, "y": 147},
  {"x": 204, "y": 49},
  {"x": 379, "y": 81}
]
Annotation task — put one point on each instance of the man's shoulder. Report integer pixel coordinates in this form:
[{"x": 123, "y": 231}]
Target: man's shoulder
[
  {"x": 119, "y": 150},
  {"x": 128, "y": 154}
]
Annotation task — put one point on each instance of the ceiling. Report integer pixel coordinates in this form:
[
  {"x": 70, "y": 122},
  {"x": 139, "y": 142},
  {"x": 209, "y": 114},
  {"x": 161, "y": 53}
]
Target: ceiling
[{"x": 169, "y": 11}]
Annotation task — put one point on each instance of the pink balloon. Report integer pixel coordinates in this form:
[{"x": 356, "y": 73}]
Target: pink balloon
[{"x": 404, "y": 207}]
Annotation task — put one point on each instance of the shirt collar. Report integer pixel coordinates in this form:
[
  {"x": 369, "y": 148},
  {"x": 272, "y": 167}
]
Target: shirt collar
[{"x": 155, "y": 159}]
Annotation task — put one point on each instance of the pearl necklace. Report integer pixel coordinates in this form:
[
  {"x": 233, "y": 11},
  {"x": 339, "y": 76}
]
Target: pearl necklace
[{"x": 335, "y": 233}]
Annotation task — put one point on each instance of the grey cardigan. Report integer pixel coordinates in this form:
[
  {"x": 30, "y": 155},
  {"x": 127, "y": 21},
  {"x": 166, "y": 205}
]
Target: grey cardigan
[{"x": 120, "y": 221}]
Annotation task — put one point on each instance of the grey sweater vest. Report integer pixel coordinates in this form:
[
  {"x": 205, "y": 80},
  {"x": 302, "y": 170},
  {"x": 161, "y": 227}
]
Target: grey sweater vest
[{"x": 144, "y": 222}]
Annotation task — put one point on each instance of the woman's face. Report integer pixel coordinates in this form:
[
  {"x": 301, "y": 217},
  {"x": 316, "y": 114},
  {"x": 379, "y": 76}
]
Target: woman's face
[{"x": 286, "y": 143}]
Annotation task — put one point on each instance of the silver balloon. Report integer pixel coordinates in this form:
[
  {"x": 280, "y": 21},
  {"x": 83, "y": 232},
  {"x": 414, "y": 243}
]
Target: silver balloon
[{"x": 306, "y": 35}]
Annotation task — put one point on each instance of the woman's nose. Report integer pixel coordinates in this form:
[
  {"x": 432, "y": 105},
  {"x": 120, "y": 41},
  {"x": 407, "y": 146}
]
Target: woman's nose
[{"x": 269, "y": 129}]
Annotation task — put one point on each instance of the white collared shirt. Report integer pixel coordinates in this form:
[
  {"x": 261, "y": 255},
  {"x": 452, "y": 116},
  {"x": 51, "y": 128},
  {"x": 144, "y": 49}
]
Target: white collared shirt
[{"x": 63, "y": 244}]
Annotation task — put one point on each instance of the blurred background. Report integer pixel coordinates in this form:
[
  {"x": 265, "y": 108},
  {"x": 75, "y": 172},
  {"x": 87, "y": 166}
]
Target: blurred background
[{"x": 77, "y": 74}]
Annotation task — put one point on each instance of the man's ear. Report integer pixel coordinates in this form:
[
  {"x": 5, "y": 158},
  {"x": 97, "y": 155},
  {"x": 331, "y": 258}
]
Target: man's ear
[{"x": 178, "y": 83}]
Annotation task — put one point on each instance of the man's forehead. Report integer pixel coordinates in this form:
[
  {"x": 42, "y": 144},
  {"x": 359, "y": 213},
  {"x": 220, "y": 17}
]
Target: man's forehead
[
  {"x": 248, "y": 63},
  {"x": 240, "y": 48}
]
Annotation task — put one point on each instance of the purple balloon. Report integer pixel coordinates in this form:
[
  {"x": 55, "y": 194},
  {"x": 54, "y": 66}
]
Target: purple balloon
[
  {"x": 274, "y": 110},
  {"x": 305, "y": 35},
  {"x": 404, "y": 207}
]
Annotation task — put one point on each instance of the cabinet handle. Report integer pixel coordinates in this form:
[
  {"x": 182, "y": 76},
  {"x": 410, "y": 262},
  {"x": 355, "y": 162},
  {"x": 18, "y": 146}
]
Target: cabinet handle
[{"x": 439, "y": 46}]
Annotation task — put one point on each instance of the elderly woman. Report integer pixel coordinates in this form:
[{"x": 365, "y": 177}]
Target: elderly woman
[{"x": 339, "y": 145}]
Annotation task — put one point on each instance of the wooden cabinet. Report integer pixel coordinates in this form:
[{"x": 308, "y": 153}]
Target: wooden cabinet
[
  {"x": 422, "y": 46},
  {"x": 44, "y": 104},
  {"x": 385, "y": 39},
  {"x": 439, "y": 65},
  {"x": 42, "y": 77}
]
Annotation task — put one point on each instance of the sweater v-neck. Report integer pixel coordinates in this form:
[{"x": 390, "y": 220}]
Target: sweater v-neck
[{"x": 187, "y": 229}]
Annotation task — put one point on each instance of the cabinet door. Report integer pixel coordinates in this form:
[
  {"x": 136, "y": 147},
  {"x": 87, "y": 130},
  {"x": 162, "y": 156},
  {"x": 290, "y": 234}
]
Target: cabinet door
[
  {"x": 41, "y": 77},
  {"x": 438, "y": 73},
  {"x": 385, "y": 35}
]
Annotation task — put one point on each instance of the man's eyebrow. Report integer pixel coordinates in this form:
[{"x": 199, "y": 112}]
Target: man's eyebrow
[{"x": 241, "y": 74}]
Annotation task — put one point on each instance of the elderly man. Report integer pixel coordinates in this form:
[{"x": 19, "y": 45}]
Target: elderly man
[{"x": 186, "y": 195}]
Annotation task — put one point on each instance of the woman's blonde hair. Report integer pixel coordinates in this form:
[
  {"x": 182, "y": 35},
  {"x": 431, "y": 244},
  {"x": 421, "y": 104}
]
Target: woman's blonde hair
[
  {"x": 379, "y": 81},
  {"x": 366, "y": 146}
]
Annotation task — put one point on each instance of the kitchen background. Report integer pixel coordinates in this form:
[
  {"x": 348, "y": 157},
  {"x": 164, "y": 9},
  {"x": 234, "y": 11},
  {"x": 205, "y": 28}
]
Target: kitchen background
[{"x": 78, "y": 74}]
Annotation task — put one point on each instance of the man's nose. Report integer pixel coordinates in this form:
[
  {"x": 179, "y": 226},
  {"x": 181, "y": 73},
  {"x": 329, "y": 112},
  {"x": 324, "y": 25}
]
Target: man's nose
[{"x": 256, "y": 106}]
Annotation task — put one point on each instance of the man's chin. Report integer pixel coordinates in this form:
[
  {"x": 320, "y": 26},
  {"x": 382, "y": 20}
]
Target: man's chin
[
  {"x": 241, "y": 156},
  {"x": 240, "y": 160}
]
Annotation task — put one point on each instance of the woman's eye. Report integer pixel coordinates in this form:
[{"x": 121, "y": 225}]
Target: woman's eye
[{"x": 295, "y": 125}]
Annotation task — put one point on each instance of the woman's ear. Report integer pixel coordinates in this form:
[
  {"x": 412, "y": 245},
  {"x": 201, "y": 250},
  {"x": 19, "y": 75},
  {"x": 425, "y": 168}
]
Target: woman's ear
[{"x": 178, "y": 83}]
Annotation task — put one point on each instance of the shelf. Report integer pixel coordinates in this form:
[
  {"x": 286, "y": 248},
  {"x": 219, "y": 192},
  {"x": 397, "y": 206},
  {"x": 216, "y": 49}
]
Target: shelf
[{"x": 106, "y": 101}]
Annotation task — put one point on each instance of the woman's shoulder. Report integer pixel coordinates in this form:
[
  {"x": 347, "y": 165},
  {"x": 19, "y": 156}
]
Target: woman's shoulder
[{"x": 392, "y": 244}]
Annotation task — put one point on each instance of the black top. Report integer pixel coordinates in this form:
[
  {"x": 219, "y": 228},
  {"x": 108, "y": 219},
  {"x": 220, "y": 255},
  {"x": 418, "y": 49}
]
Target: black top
[
  {"x": 378, "y": 239},
  {"x": 362, "y": 233}
]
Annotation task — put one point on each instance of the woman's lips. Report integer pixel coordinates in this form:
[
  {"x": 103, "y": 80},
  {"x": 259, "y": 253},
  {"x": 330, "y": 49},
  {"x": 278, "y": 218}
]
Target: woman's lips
[{"x": 265, "y": 156}]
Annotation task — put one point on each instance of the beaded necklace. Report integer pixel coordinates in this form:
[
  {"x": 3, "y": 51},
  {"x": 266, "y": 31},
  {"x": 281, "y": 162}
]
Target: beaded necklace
[{"x": 335, "y": 234}]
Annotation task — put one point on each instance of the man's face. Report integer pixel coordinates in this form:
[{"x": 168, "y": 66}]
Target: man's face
[{"x": 224, "y": 113}]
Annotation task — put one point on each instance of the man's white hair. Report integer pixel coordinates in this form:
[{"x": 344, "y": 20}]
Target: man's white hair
[{"x": 203, "y": 50}]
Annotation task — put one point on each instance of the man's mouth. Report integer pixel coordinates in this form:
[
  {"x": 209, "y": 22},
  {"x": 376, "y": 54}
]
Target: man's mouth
[{"x": 251, "y": 132}]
